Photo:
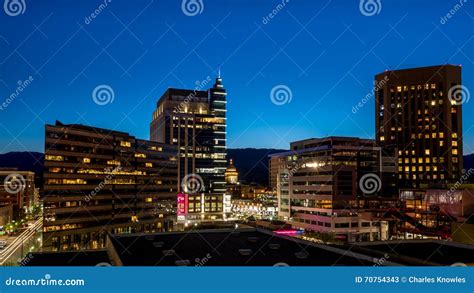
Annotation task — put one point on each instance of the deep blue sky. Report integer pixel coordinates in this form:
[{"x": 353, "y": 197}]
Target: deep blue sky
[{"x": 326, "y": 52}]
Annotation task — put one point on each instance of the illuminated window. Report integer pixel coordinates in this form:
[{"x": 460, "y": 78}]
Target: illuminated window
[
  {"x": 427, "y": 152},
  {"x": 148, "y": 199},
  {"x": 455, "y": 143},
  {"x": 113, "y": 162},
  {"x": 86, "y": 160},
  {"x": 54, "y": 158},
  {"x": 149, "y": 165},
  {"x": 126, "y": 144},
  {"x": 139, "y": 155},
  {"x": 441, "y": 135},
  {"x": 455, "y": 152}
]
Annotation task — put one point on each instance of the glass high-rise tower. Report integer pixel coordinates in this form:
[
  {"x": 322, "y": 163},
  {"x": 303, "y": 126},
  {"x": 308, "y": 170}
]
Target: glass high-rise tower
[{"x": 195, "y": 121}]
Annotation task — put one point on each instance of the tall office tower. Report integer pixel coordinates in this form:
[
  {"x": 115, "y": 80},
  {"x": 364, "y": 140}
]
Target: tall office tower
[
  {"x": 195, "y": 121},
  {"x": 320, "y": 180},
  {"x": 99, "y": 181},
  {"x": 419, "y": 112}
]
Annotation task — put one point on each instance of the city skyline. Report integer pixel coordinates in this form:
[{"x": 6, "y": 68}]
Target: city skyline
[{"x": 320, "y": 75}]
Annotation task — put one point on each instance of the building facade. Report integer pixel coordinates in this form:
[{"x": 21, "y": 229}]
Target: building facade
[
  {"x": 418, "y": 111},
  {"x": 320, "y": 180},
  {"x": 17, "y": 193},
  {"x": 272, "y": 172},
  {"x": 195, "y": 122},
  {"x": 99, "y": 181}
]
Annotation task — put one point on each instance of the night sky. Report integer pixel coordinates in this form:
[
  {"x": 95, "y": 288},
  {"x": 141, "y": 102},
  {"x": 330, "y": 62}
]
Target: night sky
[{"x": 325, "y": 52}]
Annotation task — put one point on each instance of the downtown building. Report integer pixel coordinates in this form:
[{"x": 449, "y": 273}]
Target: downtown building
[
  {"x": 419, "y": 112},
  {"x": 99, "y": 181},
  {"x": 18, "y": 194},
  {"x": 195, "y": 122},
  {"x": 320, "y": 182}
]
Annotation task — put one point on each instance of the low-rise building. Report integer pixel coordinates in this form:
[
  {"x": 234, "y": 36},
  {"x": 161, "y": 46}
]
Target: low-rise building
[{"x": 320, "y": 180}]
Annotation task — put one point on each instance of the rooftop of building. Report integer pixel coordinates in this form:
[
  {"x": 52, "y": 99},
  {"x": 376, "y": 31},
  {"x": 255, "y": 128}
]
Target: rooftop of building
[
  {"x": 420, "y": 252},
  {"x": 97, "y": 130},
  {"x": 323, "y": 143},
  {"x": 217, "y": 247},
  {"x": 201, "y": 90},
  {"x": 72, "y": 258},
  {"x": 103, "y": 131},
  {"x": 419, "y": 69}
]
